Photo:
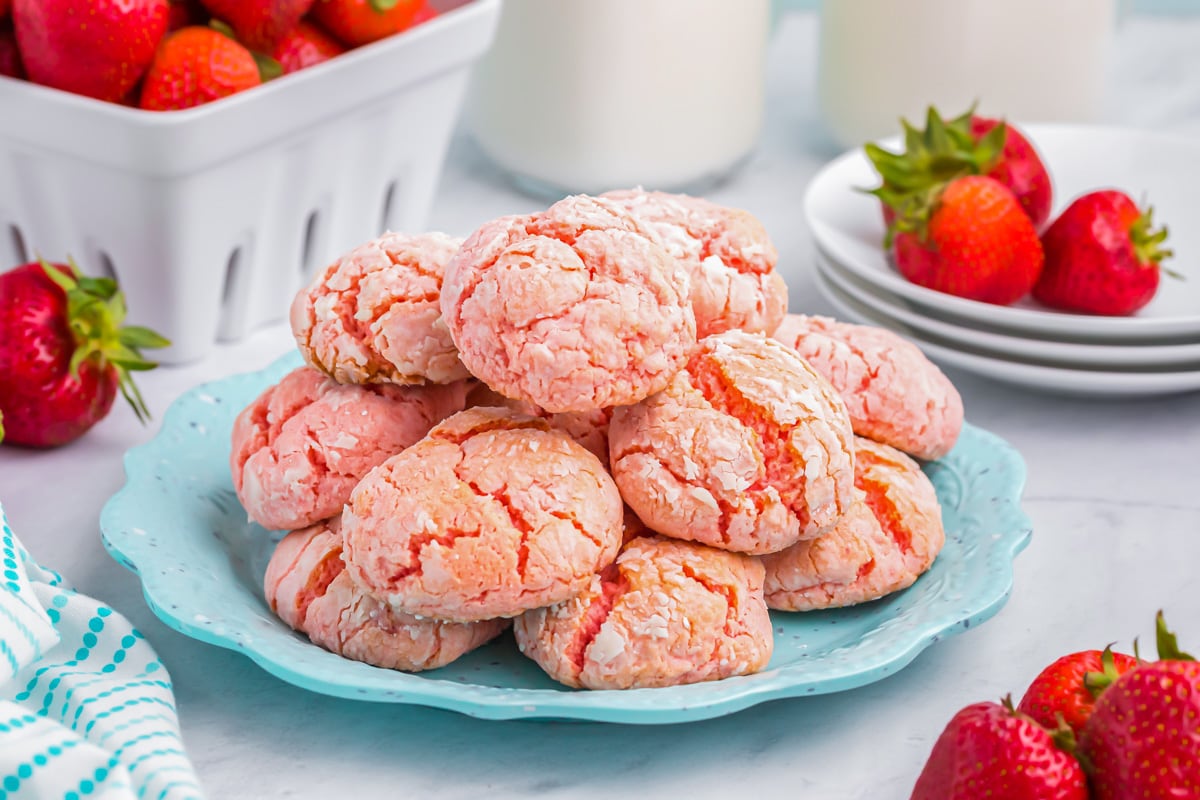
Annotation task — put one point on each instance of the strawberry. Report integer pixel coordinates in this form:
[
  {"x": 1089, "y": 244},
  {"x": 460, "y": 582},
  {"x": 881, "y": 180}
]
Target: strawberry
[
  {"x": 968, "y": 237},
  {"x": 1142, "y": 741},
  {"x": 64, "y": 354},
  {"x": 259, "y": 24},
  {"x": 10, "y": 54},
  {"x": 197, "y": 65},
  {"x": 358, "y": 22},
  {"x": 965, "y": 145},
  {"x": 103, "y": 58},
  {"x": 1102, "y": 256},
  {"x": 305, "y": 46},
  {"x": 988, "y": 750},
  {"x": 5, "y": 8},
  {"x": 1066, "y": 690},
  {"x": 185, "y": 13}
]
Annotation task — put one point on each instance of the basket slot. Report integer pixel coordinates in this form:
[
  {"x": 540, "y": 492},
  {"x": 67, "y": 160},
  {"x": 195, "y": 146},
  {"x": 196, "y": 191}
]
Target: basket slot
[
  {"x": 308, "y": 252},
  {"x": 389, "y": 198},
  {"x": 17, "y": 252},
  {"x": 106, "y": 266}
]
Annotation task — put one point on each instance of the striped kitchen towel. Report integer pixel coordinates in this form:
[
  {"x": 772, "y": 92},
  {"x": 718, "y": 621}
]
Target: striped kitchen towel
[{"x": 86, "y": 709}]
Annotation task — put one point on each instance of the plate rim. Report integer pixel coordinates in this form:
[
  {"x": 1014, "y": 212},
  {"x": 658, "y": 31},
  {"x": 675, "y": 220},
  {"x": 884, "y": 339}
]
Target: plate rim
[
  {"x": 596, "y": 705},
  {"x": 1048, "y": 323},
  {"x": 1075, "y": 382},
  {"x": 1093, "y": 353}
]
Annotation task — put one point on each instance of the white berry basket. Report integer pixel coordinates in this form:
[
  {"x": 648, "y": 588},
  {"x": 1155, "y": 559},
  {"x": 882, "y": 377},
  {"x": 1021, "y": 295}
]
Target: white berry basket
[{"x": 212, "y": 218}]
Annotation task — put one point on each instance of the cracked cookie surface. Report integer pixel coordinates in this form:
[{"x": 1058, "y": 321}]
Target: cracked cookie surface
[
  {"x": 301, "y": 447},
  {"x": 883, "y": 543},
  {"x": 748, "y": 449},
  {"x": 491, "y": 514},
  {"x": 666, "y": 613},
  {"x": 574, "y": 308},
  {"x": 894, "y": 394},
  {"x": 373, "y": 315},
  {"x": 307, "y": 586},
  {"x": 727, "y": 254}
]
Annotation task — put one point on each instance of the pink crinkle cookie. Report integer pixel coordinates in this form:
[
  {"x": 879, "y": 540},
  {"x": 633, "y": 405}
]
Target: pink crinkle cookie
[
  {"x": 301, "y": 568},
  {"x": 882, "y": 544},
  {"x": 373, "y": 315},
  {"x": 727, "y": 254},
  {"x": 588, "y": 428},
  {"x": 302, "y": 446},
  {"x": 667, "y": 613},
  {"x": 573, "y": 309},
  {"x": 307, "y": 586},
  {"x": 747, "y": 449},
  {"x": 492, "y": 514},
  {"x": 895, "y": 394}
]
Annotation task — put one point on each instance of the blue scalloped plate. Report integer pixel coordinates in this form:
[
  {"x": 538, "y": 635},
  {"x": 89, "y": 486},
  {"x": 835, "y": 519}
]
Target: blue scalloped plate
[{"x": 178, "y": 525}]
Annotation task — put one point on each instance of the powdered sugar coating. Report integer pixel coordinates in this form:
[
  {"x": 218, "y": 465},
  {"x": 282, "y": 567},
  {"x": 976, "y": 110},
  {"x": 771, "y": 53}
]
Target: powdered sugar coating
[
  {"x": 491, "y": 514},
  {"x": 301, "y": 568},
  {"x": 588, "y": 428},
  {"x": 727, "y": 254},
  {"x": 355, "y": 625},
  {"x": 883, "y": 543},
  {"x": 373, "y": 316},
  {"x": 748, "y": 449},
  {"x": 307, "y": 586},
  {"x": 303, "y": 444},
  {"x": 894, "y": 394},
  {"x": 667, "y": 613},
  {"x": 574, "y": 309}
]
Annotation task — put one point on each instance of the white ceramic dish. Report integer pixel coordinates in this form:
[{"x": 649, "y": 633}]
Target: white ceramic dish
[
  {"x": 213, "y": 217},
  {"x": 1056, "y": 380},
  {"x": 847, "y": 225},
  {"x": 1081, "y": 355}
]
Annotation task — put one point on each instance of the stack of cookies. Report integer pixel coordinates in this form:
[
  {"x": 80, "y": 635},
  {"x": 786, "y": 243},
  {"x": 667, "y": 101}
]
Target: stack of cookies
[{"x": 596, "y": 424}]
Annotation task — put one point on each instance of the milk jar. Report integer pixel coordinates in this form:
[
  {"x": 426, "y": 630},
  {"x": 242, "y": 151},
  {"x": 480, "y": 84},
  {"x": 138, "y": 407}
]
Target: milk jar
[
  {"x": 1026, "y": 60},
  {"x": 591, "y": 95}
]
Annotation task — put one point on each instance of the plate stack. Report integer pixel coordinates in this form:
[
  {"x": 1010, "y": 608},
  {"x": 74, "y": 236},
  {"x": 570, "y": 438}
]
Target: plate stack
[{"x": 1156, "y": 351}]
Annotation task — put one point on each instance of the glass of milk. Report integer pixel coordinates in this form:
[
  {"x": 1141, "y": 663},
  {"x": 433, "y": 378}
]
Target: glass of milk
[
  {"x": 592, "y": 95},
  {"x": 1025, "y": 60}
]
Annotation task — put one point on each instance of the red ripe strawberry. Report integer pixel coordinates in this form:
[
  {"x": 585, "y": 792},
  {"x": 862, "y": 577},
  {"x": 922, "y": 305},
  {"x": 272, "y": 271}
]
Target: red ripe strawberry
[
  {"x": 185, "y": 13},
  {"x": 259, "y": 24},
  {"x": 103, "y": 58},
  {"x": 358, "y": 22},
  {"x": 10, "y": 54},
  {"x": 305, "y": 46},
  {"x": 988, "y": 750},
  {"x": 1102, "y": 256},
  {"x": 64, "y": 354},
  {"x": 964, "y": 145},
  {"x": 1142, "y": 742},
  {"x": 1067, "y": 689},
  {"x": 969, "y": 238},
  {"x": 195, "y": 66},
  {"x": 1019, "y": 167}
]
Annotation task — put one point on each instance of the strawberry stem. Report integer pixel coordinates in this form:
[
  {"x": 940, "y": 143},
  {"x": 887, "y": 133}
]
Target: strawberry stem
[
  {"x": 1097, "y": 682},
  {"x": 95, "y": 311},
  {"x": 914, "y": 178},
  {"x": 1168, "y": 647}
]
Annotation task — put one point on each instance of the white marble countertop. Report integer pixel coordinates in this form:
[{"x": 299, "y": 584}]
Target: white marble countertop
[{"x": 1112, "y": 492}]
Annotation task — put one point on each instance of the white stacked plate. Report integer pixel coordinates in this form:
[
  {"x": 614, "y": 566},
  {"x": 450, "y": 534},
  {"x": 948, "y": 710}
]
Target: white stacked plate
[{"x": 1156, "y": 351}]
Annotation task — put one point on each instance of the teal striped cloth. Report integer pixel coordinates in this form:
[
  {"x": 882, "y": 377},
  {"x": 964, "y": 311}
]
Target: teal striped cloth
[{"x": 86, "y": 709}]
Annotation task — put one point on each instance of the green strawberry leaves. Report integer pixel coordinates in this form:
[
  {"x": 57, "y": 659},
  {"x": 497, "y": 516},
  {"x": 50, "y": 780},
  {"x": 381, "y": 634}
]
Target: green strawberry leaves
[
  {"x": 95, "y": 313},
  {"x": 1168, "y": 647},
  {"x": 932, "y": 157}
]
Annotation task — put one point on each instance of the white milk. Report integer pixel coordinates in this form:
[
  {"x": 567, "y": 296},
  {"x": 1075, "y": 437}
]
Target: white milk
[
  {"x": 590, "y": 95},
  {"x": 1027, "y": 60}
]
